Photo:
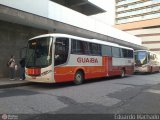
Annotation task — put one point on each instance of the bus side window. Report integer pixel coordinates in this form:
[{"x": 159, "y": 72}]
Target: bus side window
[
  {"x": 130, "y": 53},
  {"x": 121, "y": 53},
  {"x": 95, "y": 49},
  {"x": 77, "y": 47},
  {"x": 106, "y": 50},
  {"x": 155, "y": 57},
  {"x": 149, "y": 56},
  {"x": 124, "y": 52},
  {"x": 116, "y": 52},
  {"x": 86, "y": 48},
  {"x": 80, "y": 47},
  {"x": 61, "y": 51}
]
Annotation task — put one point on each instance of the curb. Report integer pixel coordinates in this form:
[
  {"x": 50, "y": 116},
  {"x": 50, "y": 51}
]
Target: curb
[{"x": 15, "y": 85}]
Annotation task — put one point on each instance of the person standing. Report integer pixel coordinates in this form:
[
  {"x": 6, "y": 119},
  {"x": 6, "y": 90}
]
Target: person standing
[
  {"x": 11, "y": 64},
  {"x": 22, "y": 69}
]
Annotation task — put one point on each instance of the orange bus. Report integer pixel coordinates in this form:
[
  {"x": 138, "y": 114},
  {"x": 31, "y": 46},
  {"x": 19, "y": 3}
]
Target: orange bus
[
  {"x": 54, "y": 58},
  {"x": 146, "y": 61}
]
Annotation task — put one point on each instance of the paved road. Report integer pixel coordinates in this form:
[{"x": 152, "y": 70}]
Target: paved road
[{"x": 132, "y": 94}]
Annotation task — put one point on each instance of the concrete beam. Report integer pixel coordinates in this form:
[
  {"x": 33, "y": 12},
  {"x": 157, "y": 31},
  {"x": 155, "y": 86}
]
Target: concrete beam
[
  {"x": 85, "y": 7},
  {"x": 24, "y": 18},
  {"x": 82, "y": 6},
  {"x": 74, "y": 3},
  {"x": 89, "y": 9}
]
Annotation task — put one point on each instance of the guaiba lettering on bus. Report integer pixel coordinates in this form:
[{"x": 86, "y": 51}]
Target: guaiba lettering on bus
[{"x": 87, "y": 60}]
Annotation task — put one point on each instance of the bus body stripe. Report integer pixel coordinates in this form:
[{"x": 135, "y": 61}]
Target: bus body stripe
[{"x": 67, "y": 73}]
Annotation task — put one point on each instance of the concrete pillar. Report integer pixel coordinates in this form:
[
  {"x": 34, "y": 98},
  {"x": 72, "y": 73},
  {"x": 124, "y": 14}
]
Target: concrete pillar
[{"x": 13, "y": 38}]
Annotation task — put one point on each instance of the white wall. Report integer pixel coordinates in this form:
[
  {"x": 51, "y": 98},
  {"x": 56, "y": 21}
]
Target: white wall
[
  {"x": 38, "y": 7},
  {"x": 66, "y": 15}
]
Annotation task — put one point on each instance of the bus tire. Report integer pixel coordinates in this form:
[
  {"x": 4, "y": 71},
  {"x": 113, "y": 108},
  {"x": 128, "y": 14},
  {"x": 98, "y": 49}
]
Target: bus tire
[
  {"x": 122, "y": 73},
  {"x": 79, "y": 77}
]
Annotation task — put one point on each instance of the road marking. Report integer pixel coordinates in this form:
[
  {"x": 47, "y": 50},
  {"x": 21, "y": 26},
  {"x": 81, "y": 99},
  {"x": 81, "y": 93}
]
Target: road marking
[{"x": 153, "y": 91}]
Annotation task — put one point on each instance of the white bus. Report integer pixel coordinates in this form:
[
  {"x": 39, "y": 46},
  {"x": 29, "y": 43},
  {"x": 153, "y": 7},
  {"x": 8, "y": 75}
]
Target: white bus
[
  {"x": 146, "y": 61},
  {"x": 53, "y": 58}
]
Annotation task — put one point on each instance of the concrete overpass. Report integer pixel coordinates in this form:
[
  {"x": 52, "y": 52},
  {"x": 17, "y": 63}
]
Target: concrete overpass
[{"x": 24, "y": 18}]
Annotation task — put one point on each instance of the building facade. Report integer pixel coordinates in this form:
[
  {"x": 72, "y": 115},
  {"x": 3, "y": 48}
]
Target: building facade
[
  {"x": 142, "y": 19},
  {"x": 136, "y": 10}
]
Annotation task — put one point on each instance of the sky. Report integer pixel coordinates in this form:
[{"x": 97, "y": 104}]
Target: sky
[{"x": 109, "y": 6}]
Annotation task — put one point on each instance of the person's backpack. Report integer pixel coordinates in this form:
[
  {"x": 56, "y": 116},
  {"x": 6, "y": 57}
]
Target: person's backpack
[{"x": 9, "y": 63}]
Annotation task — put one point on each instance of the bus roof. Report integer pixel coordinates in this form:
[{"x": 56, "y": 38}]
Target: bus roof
[
  {"x": 141, "y": 50},
  {"x": 82, "y": 39}
]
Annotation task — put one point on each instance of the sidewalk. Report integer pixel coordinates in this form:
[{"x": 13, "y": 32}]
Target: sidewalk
[{"x": 6, "y": 83}]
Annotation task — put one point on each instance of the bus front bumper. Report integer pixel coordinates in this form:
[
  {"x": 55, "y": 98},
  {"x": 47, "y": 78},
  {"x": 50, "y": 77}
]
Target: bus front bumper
[
  {"x": 40, "y": 79},
  {"x": 142, "y": 69}
]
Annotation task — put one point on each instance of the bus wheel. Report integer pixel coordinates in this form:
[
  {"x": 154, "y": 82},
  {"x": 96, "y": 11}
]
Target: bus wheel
[
  {"x": 79, "y": 77},
  {"x": 122, "y": 73}
]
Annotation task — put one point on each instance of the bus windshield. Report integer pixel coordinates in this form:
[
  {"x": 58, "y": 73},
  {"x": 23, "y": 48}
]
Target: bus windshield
[
  {"x": 141, "y": 58},
  {"x": 39, "y": 52}
]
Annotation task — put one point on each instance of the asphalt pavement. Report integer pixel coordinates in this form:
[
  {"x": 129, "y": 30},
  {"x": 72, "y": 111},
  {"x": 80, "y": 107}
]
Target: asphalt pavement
[{"x": 135, "y": 94}]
